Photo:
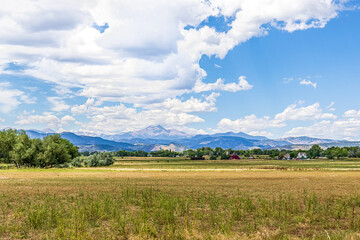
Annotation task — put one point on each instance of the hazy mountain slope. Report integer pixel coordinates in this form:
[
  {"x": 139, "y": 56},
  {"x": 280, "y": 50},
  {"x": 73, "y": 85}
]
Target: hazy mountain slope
[
  {"x": 156, "y": 138},
  {"x": 36, "y": 134},
  {"x": 306, "y": 140},
  {"x": 87, "y": 143}
]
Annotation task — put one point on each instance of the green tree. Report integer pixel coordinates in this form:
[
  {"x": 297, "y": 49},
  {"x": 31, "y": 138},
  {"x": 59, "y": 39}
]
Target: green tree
[
  {"x": 315, "y": 151},
  {"x": 16, "y": 147},
  {"x": 341, "y": 152},
  {"x": 218, "y": 151},
  {"x": 55, "y": 152},
  {"x": 71, "y": 149},
  {"x": 86, "y": 153},
  {"x": 7, "y": 142},
  {"x": 293, "y": 154},
  {"x": 122, "y": 153},
  {"x": 330, "y": 153},
  {"x": 256, "y": 151},
  {"x": 213, "y": 157},
  {"x": 23, "y": 153},
  {"x": 200, "y": 153},
  {"x": 191, "y": 153},
  {"x": 224, "y": 156}
]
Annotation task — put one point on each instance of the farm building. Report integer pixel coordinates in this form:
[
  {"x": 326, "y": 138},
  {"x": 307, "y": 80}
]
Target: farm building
[
  {"x": 286, "y": 157},
  {"x": 301, "y": 155},
  {"x": 234, "y": 157}
]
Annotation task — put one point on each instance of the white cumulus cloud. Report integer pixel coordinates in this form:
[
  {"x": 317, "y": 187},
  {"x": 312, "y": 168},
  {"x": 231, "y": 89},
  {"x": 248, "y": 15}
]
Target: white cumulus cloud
[
  {"x": 220, "y": 85},
  {"x": 308, "y": 83},
  {"x": 49, "y": 120},
  {"x": 119, "y": 118},
  {"x": 146, "y": 58},
  {"x": 248, "y": 124},
  {"x": 352, "y": 114},
  {"x": 11, "y": 98},
  {"x": 191, "y": 105},
  {"x": 58, "y": 104},
  {"x": 254, "y": 124},
  {"x": 57, "y": 42},
  {"x": 339, "y": 129},
  {"x": 296, "y": 113}
]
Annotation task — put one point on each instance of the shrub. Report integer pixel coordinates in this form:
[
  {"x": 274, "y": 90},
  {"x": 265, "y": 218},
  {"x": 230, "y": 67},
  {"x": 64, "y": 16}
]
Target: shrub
[
  {"x": 76, "y": 162},
  {"x": 99, "y": 160}
]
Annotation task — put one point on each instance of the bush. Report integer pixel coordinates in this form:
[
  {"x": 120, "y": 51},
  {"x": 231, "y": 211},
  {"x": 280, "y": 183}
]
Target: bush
[
  {"x": 99, "y": 160},
  {"x": 213, "y": 157},
  {"x": 91, "y": 161},
  {"x": 76, "y": 162}
]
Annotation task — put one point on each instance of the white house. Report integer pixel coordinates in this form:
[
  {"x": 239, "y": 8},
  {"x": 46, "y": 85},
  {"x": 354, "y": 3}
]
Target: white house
[{"x": 301, "y": 155}]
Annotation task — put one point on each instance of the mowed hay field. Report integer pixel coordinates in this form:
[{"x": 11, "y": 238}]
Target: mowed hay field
[
  {"x": 131, "y": 163},
  {"x": 263, "y": 203}
]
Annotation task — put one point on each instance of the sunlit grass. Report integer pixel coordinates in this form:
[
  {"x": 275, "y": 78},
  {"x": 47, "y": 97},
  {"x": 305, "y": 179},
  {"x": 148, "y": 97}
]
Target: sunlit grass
[
  {"x": 152, "y": 213},
  {"x": 181, "y": 163},
  {"x": 93, "y": 203}
]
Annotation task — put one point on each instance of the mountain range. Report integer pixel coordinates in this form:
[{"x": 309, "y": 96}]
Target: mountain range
[
  {"x": 155, "y": 138},
  {"x": 151, "y": 132}
]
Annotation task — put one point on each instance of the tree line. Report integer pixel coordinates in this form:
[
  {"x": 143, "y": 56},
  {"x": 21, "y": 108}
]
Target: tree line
[
  {"x": 330, "y": 153},
  {"x": 140, "y": 153},
  {"x": 219, "y": 153},
  {"x": 314, "y": 152}
]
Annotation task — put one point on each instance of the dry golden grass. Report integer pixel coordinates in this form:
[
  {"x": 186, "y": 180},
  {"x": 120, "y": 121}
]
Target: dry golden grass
[
  {"x": 264, "y": 183},
  {"x": 147, "y": 158},
  {"x": 181, "y": 164},
  {"x": 26, "y": 189}
]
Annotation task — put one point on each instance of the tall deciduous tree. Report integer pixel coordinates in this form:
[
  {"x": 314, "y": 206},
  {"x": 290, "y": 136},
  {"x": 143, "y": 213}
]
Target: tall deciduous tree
[
  {"x": 22, "y": 153},
  {"x": 55, "y": 151},
  {"x": 315, "y": 151},
  {"x": 7, "y": 143}
]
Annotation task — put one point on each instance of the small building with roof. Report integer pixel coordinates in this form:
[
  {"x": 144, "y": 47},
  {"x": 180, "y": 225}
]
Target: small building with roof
[
  {"x": 234, "y": 157},
  {"x": 301, "y": 155}
]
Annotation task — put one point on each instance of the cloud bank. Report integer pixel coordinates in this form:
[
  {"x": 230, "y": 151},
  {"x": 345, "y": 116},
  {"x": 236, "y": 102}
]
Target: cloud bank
[{"x": 142, "y": 56}]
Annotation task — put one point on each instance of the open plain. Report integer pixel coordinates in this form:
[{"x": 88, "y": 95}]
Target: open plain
[{"x": 152, "y": 198}]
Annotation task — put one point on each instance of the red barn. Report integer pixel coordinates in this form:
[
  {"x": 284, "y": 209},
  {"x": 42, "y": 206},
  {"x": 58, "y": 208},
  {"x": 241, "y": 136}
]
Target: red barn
[{"x": 234, "y": 156}]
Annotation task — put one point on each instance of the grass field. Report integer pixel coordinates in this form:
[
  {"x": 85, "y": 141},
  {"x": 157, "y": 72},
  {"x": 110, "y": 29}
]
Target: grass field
[
  {"x": 181, "y": 163},
  {"x": 249, "y": 199}
]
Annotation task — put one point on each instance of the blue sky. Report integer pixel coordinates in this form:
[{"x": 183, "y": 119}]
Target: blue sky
[{"x": 265, "y": 69}]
